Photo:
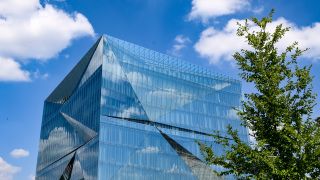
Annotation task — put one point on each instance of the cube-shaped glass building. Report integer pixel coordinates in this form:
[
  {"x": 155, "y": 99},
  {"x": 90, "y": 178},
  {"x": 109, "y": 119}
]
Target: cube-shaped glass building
[{"x": 127, "y": 112}]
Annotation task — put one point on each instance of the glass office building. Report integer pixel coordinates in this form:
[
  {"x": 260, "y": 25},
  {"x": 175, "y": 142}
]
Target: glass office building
[{"x": 127, "y": 112}]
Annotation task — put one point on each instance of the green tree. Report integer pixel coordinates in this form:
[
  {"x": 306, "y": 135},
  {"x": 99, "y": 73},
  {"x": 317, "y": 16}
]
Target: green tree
[{"x": 278, "y": 114}]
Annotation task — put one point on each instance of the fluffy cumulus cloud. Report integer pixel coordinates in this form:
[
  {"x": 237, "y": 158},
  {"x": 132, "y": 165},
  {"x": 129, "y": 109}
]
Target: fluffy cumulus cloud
[
  {"x": 29, "y": 30},
  {"x": 180, "y": 42},
  {"x": 220, "y": 44},
  {"x": 10, "y": 70},
  {"x": 7, "y": 171},
  {"x": 19, "y": 153},
  {"x": 206, "y": 9}
]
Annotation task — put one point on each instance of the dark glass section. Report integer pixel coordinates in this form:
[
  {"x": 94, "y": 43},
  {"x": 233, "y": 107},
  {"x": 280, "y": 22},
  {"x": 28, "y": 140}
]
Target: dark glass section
[
  {"x": 68, "y": 170},
  {"x": 160, "y": 125},
  {"x": 199, "y": 168},
  {"x": 69, "y": 84},
  {"x": 95, "y": 62},
  {"x": 188, "y": 141},
  {"x": 77, "y": 173}
]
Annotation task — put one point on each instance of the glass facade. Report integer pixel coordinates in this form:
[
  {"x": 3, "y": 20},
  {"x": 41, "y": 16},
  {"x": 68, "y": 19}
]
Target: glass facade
[{"x": 127, "y": 112}]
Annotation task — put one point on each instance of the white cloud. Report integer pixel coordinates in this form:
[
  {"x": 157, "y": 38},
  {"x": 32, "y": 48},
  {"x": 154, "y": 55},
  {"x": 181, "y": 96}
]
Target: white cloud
[
  {"x": 38, "y": 31},
  {"x": 7, "y": 171},
  {"x": 221, "y": 86},
  {"x": 258, "y": 10},
  {"x": 174, "y": 168},
  {"x": 10, "y": 70},
  {"x": 32, "y": 177},
  {"x": 181, "y": 39},
  {"x": 29, "y": 30},
  {"x": 135, "y": 77},
  {"x": 150, "y": 149},
  {"x": 53, "y": 145},
  {"x": 129, "y": 112},
  {"x": 220, "y": 45},
  {"x": 232, "y": 114},
  {"x": 38, "y": 75},
  {"x": 180, "y": 42},
  {"x": 206, "y": 9},
  {"x": 217, "y": 45},
  {"x": 19, "y": 153},
  {"x": 16, "y": 8}
]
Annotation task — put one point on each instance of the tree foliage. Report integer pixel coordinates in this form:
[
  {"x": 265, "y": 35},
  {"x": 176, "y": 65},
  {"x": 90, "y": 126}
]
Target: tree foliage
[{"x": 278, "y": 115}]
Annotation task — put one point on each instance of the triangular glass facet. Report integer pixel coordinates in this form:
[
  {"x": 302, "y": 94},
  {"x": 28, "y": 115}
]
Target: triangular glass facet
[
  {"x": 118, "y": 98},
  {"x": 66, "y": 175},
  {"x": 86, "y": 133},
  {"x": 70, "y": 83},
  {"x": 95, "y": 62},
  {"x": 77, "y": 172},
  {"x": 199, "y": 168}
]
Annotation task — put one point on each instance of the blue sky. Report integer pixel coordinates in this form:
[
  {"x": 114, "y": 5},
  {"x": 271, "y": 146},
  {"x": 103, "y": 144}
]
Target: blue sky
[{"x": 41, "y": 41}]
